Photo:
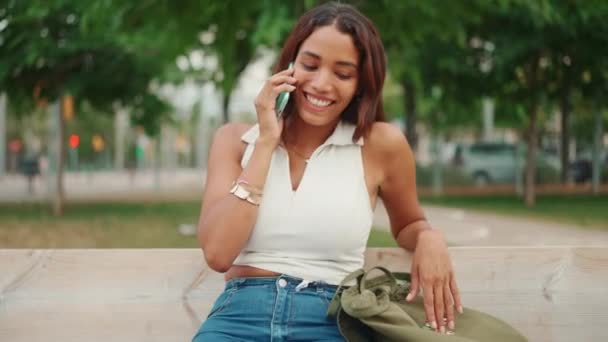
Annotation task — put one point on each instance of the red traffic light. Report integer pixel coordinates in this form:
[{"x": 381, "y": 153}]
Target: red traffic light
[
  {"x": 74, "y": 141},
  {"x": 15, "y": 145}
]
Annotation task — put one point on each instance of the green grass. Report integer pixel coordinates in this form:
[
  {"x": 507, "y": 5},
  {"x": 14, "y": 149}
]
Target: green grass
[
  {"x": 587, "y": 211},
  {"x": 381, "y": 238},
  {"x": 109, "y": 225},
  {"x": 155, "y": 224},
  {"x": 98, "y": 225}
]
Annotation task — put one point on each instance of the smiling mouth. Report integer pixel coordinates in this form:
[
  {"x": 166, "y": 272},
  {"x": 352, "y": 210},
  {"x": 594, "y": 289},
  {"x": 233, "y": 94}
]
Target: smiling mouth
[{"x": 316, "y": 101}]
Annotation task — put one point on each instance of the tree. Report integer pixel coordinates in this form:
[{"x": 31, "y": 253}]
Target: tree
[
  {"x": 237, "y": 30},
  {"x": 575, "y": 41},
  {"x": 101, "y": 52},
  {"x": 415, "y": 36}
]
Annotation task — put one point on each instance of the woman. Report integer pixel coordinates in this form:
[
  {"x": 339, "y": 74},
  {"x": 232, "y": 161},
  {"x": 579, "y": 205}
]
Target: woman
[{"x": 288, "y": 203}]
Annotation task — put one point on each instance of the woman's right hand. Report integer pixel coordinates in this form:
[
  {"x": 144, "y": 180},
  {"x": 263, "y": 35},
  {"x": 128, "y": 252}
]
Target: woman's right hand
[{"x": 270, "y": 127}]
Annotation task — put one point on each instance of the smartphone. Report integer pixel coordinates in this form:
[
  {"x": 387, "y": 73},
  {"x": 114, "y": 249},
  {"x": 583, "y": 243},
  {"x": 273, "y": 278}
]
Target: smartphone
[{"x": 282, "y": 99}]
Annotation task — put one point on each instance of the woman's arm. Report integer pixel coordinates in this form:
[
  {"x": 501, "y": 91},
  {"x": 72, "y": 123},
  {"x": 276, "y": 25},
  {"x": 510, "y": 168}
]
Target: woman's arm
[
  {"x": 398, "y": 184},
  {"x": 226, "y": 221},
  {"x": 431, "y": 265}
]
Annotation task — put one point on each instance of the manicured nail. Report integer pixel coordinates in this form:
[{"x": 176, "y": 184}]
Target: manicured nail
[
  {"x": 434, "y": 325},
  {"x": 442, "y": 329},
  {"x": 409, "y": 296},
  {"x": 460, "y": 309},
  {"x": 451, "y": 325}
]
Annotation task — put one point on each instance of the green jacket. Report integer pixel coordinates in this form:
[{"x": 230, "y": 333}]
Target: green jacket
[{"x": 375, "y": 310}]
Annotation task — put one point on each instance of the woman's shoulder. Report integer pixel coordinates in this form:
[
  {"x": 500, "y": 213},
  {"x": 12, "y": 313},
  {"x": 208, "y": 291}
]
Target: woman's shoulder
[
  {"x": 386, "y": 139},
  {"x": 233, "y": 130},
  {"x": 228, "y": 138}
]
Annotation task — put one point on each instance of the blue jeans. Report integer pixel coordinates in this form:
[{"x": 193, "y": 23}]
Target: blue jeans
[{"x": 271, "y": 309}]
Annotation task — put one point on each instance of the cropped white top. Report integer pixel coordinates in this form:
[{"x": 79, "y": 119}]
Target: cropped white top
[{"x": 318, "y": 232}]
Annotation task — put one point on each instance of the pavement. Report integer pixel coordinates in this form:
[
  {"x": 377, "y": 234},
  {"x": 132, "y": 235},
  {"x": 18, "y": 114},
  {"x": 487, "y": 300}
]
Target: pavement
[
  {"x": 470, "y": 228},
  {"x": 142, "y": 184},
  {"x": 461, "y": 227}
]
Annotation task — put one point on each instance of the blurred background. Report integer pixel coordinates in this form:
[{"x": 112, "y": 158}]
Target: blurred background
[{"x": 107, "y": 109}]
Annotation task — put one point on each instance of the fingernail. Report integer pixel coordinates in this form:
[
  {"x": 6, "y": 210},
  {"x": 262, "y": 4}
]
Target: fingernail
[
  {"x": 451, "y": 325},
  {"x": 434, "y": 325},
  {"x": 409, "y": 296},
  {"x": 442, "y": 329},
  {"x": 460, "y": 309}
]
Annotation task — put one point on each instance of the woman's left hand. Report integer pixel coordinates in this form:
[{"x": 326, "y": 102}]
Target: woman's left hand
[{"x": 433, "y": 272}]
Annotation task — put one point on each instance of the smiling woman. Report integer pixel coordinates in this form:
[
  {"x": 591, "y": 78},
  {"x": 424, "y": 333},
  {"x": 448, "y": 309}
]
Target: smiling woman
[
  {"x": 288, "y": 206},
  {"x": 346, "y": 50}
]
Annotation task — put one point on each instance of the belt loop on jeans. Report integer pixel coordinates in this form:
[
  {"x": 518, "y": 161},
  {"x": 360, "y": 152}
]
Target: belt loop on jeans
[{"x": 235, "y": 283}]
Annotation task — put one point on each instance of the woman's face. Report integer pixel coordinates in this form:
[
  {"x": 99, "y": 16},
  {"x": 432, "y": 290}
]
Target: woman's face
[{"x": 326, "y": 68}]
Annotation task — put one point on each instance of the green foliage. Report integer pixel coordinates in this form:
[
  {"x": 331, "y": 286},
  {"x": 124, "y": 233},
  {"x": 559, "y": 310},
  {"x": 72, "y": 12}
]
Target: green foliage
[
  {"x": 107, "y": 52},
  {"x": 101, "y": 52}
]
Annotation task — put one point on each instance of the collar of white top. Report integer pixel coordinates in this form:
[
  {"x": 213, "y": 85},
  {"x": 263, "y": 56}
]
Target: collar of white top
[{"x": 341, "y": 136}]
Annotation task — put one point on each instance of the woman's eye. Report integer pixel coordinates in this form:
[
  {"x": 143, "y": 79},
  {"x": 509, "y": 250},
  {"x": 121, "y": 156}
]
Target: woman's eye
[
  {"x": 343, "y": 76},
  {"x": 308, "y": 67}
]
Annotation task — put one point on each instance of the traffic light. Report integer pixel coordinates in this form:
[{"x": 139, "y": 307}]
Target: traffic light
[
  {"x": 98, "y": 143},
  {"x": 74, "y": 141},
  {"x": 68, "y": 107}
]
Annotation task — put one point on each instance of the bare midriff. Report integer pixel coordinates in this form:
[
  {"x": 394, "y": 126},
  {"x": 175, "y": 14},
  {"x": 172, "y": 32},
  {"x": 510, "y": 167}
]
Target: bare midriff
[{"x": 240, "y": 271}]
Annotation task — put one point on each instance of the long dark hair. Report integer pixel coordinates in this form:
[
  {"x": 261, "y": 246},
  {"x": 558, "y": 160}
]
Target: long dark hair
[{"x": 366, "y": 106}]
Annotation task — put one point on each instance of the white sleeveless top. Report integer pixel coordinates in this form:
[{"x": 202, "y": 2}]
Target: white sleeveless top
[{"x": 319, "y": 231}]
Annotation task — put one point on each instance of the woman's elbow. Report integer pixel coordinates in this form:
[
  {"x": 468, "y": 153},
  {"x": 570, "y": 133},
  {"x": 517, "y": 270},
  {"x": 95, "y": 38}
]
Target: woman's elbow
[
  {"x": 216, "y": 261},
  {"x": 216, "y": 258},
  {"x": 215, "y": 253}
]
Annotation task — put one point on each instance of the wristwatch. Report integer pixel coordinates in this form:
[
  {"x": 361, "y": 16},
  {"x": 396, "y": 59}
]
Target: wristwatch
[{"x": 241, "y": 192}]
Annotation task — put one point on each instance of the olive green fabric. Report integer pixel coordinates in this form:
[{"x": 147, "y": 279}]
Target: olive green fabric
[{"x": 375, "y": 310}]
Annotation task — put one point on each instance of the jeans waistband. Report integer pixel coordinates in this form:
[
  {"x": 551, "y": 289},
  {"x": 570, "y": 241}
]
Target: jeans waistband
[{"x": 287, "y": 281}]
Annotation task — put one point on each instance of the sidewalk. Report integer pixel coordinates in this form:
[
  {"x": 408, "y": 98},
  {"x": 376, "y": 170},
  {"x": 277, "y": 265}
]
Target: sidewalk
[
  {"x": 107, "y": 184},
  {"x": 468, "y": 228}
]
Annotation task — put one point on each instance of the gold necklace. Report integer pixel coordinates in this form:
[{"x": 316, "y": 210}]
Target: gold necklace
[{"x": 301, "y": 155}]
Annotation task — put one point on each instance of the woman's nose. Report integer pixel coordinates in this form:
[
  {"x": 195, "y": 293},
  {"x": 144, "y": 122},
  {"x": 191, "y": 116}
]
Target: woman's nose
[{"x": 322, "y": 81}]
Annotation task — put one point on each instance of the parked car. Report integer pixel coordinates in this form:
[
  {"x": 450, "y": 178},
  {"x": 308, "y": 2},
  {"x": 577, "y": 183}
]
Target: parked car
[
  {"x": 496, "y": 163},
  {"x": 581, "y": 169}
]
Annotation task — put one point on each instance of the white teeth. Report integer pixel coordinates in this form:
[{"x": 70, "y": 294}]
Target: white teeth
[{"x": 317, "y": 102}]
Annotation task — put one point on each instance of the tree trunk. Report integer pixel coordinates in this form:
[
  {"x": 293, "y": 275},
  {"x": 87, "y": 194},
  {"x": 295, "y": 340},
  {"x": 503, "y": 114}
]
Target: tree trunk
[
  {"x": 58, "y": 202},
  {"x": 566, "y": 108},
  {"x": 225, "y": 103},
  {"x": 120, "y": 133},
  {"x": 410, "y": 112},
  {"x": 437, "y": 179},
  {"x": 596, "y": 172},
  {"x": 3, "y": 105},
  {"x": 529, "y": 194}
]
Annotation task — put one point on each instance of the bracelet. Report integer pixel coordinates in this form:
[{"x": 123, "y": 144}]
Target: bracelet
[
  {"x": 242, "y": 192},
  {"x": 245, "y": 184}
]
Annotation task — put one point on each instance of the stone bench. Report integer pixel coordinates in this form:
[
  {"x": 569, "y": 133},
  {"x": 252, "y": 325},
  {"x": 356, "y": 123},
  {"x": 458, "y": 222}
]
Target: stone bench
[{"x": 549, "y": 293}]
